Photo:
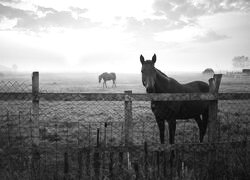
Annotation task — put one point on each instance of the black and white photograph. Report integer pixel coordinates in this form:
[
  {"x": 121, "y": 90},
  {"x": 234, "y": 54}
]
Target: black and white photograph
[{"x": 124, "y": 89}]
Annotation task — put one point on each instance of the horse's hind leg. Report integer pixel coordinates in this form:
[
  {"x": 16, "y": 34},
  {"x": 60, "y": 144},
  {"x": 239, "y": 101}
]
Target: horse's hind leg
[{"x": 201, "y": 127}]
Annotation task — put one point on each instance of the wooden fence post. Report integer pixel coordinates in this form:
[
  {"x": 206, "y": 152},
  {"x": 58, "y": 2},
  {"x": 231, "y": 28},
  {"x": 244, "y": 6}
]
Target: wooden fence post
[
  {"x": 128, "y": 118},
  {"x": 35, "y": 106},
  {"x": 128, "y": 124},
  {"x": 214, "y": 84},
  {"x": 34, "y": 117},
  {"x": 213, "y": 125},
  {"x": 97, "y": 161}
]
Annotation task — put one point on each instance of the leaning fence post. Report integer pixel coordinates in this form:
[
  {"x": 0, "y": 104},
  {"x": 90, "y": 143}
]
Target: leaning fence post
[
  {"x": 213, "y": 124},
  {"x": 214, "y": 84},
  {"x": 128, "y": 123},
  {"x": 35, "y": 105}
]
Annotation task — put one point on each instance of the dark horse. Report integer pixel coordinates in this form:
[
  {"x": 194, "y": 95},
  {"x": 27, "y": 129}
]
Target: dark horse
[
  {"x": 157, "y": 82},
  {"x": 106, "y": 77}
]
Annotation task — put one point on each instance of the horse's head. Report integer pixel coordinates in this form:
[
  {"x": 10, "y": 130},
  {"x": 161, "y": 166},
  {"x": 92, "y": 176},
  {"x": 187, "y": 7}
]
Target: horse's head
[{"x": 148, "y": 72}]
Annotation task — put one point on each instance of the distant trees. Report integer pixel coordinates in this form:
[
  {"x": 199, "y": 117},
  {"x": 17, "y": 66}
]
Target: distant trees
[
  {"x": 241, "y": 62},
  {"x": 208, "y": 71}
]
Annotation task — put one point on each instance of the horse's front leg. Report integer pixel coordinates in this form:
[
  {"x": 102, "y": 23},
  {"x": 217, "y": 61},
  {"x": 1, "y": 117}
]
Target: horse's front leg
[
  {"x": 171, "y": 128},
  {"x": 104, "y": 84},
  {"x": 201, "y": 128},
  {"x": 161, "y": 125}
]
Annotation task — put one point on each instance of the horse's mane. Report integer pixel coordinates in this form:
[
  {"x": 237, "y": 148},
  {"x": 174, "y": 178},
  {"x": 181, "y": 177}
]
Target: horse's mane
[
  {"x": 165, "y": 76},
  {"x": 157, "y": 70}
]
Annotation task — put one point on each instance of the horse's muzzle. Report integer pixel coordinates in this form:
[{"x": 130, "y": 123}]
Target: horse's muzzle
[{"x": 150, "y": 90}]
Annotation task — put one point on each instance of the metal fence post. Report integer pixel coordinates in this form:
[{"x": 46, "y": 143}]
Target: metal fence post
[{"x": 35, "y": 106}]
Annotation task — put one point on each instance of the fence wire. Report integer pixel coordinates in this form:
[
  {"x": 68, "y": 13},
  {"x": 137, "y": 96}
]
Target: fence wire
[{"x": 15, "y": 86}]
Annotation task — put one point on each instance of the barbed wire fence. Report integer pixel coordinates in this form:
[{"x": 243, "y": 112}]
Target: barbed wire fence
[{"x": 115, "y": 136}]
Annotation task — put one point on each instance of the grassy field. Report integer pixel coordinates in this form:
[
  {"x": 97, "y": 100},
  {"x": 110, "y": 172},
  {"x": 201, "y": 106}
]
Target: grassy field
[
  {"x": 100, "y": 112},
  {"x": 64, "y": 125},
  {"x": 88, "y": 82}
]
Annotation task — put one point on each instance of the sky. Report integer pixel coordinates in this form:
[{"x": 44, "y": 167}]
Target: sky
[{"x": 110, "y": 35}]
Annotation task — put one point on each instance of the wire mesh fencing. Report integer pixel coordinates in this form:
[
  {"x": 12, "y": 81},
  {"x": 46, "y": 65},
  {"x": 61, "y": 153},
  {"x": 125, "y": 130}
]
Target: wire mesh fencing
[
  {"x": 15, "y": 86},
  {"x": 84, "y": 140},
  {"x": 115, "y": 136}
]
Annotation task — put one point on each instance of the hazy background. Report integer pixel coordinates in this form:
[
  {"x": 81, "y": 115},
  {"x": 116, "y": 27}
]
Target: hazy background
[{"x": 96, "y": 36}]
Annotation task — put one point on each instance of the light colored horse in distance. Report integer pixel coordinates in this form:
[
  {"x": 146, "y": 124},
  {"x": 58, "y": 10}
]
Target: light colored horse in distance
[{"x": 107, "y": 77}]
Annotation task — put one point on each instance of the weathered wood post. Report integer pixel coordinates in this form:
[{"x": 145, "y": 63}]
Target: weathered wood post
[
  {"x": 214, "y": 84},
  {"x": 35, "y": 107},
  {"x": 128, "y": 117},
  {"x": 97, "y": 161},
  {"x": 146, "y": 160},
  {"x": 213, "y": 124},
  {"x": 128, "y": 123},
  {"x": 34, "y": 120}
]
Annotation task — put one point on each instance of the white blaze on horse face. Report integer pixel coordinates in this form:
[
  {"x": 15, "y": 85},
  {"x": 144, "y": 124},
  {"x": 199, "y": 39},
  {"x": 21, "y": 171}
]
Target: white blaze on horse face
[
  {"x": 150, "y": 82},
  {"x": 148, "y": 77}
]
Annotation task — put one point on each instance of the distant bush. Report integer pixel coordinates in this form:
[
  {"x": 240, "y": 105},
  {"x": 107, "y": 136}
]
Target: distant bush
[{"x": 208, "y": 71}]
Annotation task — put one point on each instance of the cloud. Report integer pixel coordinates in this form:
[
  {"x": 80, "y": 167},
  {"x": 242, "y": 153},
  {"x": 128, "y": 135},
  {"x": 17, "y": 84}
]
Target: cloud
[
  {"x": 78, "y": 10},
  {"x": 29, "y": 20},
  {"x": 10, "y": 1},
  {"x": 209, "y": 37},
  {"x": 61, "y": 19},
  {"x": 177, "y": 9},
  {"x": 149, "y": 26},
  {"x": 11, "y": 13},
  {"x": 45, "y": 9},
  {"x": 177, "y": 14},
  {"x": 181, "y": 13}
]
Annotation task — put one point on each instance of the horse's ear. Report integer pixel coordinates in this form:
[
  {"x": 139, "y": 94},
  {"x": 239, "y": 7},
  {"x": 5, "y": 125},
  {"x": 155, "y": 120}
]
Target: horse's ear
[
  {"x": 154, "y": 58},
  {"x": 142, "y": 59}
]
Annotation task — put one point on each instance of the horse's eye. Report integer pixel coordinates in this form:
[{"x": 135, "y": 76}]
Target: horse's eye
[{"x": 142, "y": 71}]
